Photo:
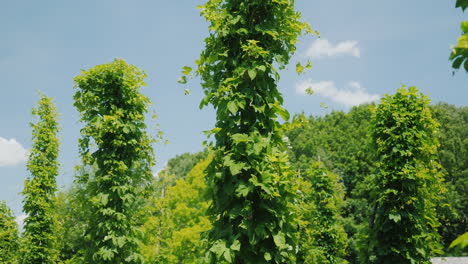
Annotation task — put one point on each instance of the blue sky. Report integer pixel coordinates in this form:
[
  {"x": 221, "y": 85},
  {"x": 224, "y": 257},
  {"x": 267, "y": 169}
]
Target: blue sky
[{"x": 367, "y": 48}]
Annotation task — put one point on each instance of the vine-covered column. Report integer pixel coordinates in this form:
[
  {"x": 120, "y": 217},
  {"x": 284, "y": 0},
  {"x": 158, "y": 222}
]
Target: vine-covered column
[
  {"x": 38, "y": 244},
  {"x": 249, "y": 175},
  {"x": 403, "y": 227},
  {"x": 116, "y": 142}
]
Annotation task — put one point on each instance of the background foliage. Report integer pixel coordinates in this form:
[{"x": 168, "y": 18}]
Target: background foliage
[
  {"x": 176, "y": 216},
  {"x": 322, "y": 236}
]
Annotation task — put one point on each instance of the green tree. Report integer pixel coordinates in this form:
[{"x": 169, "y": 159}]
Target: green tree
[
  {"x": 38, "y": 244},
  {"x": 115, "y": 140},
  {"x": 8, "y": 235},
  {"x": 176, "y": 218},
  {"x": 459, "y": 54},
  {"x": 403, "y": 227},
  {"x": 322, "y": 236},
  {"x": 453, "y": 156},
  {"x": 181, "y": 165},
  {"x": 249, "y": 175}
]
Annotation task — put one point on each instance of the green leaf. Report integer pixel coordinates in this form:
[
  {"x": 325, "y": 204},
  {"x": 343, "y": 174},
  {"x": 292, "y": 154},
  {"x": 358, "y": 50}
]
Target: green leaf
[
  {"x": 252, "y": 73},
  {"x": 299, "y": 68},
  {"x": 281, "y": 111},
  {"x": 236, "y": 168},
  {"x": 240, "y": 137},
  {"x": 457, "y": 63},
  {"x": 461, "y": 241},
  {"x": 232, "y": 106},
  {"x": 235, "y": 245},
  {"x": 227, "y": 256},
  {"x": 280, "y": 240},
  {"x": 464, "y": 26},
  {"x": 242, "y": 190},
  {"x": 395, "y": 217},
  {"x": 182, "y": 80},
  {"x": 186, "y": 70}
]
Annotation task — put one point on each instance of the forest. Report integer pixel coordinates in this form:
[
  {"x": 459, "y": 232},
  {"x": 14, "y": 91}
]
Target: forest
[{"x": 385, "y": 182}]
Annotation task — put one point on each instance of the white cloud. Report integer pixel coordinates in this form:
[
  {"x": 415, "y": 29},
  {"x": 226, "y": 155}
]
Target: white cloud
[
  {"x": 11, "y": 152},
  {"x": 352, "y": 95},
  {"x": 323, "y": 48}
]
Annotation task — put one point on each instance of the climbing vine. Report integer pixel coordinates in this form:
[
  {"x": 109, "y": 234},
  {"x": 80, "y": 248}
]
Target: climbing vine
[
  {"x": 403, "y": 225},
  {"x": 115, "y": 140},
  {"x": 249, "y": 175},
  {"x": 38, "y": 245}
]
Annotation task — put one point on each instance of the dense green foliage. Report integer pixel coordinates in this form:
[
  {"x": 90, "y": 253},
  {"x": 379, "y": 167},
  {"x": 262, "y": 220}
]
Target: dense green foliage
[
  {"x": 403, "y": 225},
  {"x": 339, "y": 140},
  {"x": 177, "y": 216},
  {"x": 115, "y": 140},
  {"x": 453, "y": 155},
  {"x": 459, "y": 54},
  {"x": 322, "y": 236},
  {"x": 249, "y": 174},
  {"x": 38, "y": 241},
  {"x": 8, "y": 235}
]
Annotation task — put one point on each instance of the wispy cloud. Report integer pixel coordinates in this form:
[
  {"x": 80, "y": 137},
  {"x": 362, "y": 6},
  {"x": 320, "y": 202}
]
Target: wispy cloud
[
  {"x": 353, "y": 94},
  {"x": 11, "y": 152},
  {"x": 323, "y": 48}
]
